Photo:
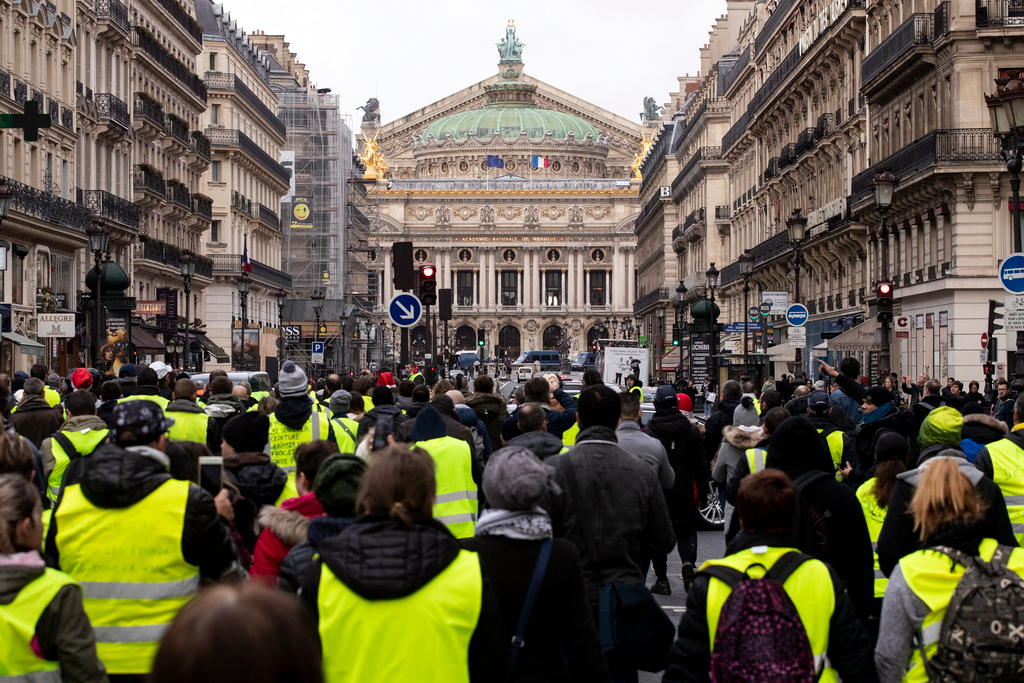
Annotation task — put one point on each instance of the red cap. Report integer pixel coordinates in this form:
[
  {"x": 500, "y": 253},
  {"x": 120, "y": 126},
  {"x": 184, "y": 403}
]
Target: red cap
[
  {"x": 81, "y": 379},
  {"x": 685, "y": 402}
]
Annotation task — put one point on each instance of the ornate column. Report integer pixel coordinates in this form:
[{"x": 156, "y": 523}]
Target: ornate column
[
  {"x": 387, "y": 286},
  {"x": 630, "y": 280},
  {"x": 580, "y": 274}
]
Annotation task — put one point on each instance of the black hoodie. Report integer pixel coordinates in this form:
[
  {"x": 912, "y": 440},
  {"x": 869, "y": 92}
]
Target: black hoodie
[
  {"x": 114, "y": 477},
  {"x": 719, "y": 420},
  {"x": 380, "y": 559},
  {"x": 684, "y": 445}
]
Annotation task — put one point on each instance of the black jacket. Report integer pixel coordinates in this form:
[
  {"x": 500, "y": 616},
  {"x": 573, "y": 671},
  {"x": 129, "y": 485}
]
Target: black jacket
[
  {"x": 260, "y": 482},
  {"x": 898, "y": 537},
  {"x": 900, "y": 421},
  {"x": 543, "y": 444},
  {"x": 719, "y": 420},
  {"x": 380, "y": 559},
  {"x": 114, "y": 477},
  {"x": 369, "y": 419},
  {"x": 849, "y": 650},
  {"x": 492, "y": 411},
  {"x": 561, "y": 640},
  {"x": 301, "y": 559},
  {"x": 558, "y": 420},
  {"x": 684, "y": 445}
]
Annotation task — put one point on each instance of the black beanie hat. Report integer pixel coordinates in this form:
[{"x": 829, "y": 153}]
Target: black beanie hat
[
  {"x": 891, "y": 446},
  {"x": 382, "y": 396},
  {"x": 797, "y": 447},
  {"x": 247, "y": 433}
]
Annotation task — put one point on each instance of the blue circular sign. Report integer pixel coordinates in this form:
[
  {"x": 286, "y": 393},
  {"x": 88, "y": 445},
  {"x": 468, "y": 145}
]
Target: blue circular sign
[
  {"x": 796, "y": 315},
  {"x": 1011, "y": 273},
  {"x": 405, "y": 309}
]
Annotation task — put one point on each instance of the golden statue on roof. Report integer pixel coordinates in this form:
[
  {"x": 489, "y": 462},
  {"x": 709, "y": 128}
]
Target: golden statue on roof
[
  {"x": 372, "y": 159},
  {"x": 645, "y": 147}
]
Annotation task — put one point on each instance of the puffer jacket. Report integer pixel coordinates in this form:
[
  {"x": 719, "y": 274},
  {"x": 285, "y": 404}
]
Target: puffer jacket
[
  {"x": 260, "y": 483},
  {"x": 543, "y": 444},
  {"x": 685, "y": 444},
  {"x": 63, "y": 632},
  {"x": 283, "y": 528},
  {"x": 380, "y": 559},
  {"x": 115, "y": 477},
  {"x": 492, "y": 411},
  {"x": 300, "y": 560}
]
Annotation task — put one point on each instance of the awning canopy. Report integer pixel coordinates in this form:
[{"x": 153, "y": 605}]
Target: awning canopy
[
  {"x": 857, "y": 338},
  {"x": 781, "y": 353},
  {"x": 214, "y": 350},
  {"x": 29, "y": 346},
  {"x": 670, "y": 361},
  {"x": 146, "y": 342}
]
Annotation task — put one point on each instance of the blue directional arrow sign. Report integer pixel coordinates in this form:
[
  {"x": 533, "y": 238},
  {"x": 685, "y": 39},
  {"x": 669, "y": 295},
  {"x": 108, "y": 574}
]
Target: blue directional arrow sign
[
  {"x": 1011, "y": 273},
  {"x": 796, "y": 315},
  {"x": 405, "y": 309}
]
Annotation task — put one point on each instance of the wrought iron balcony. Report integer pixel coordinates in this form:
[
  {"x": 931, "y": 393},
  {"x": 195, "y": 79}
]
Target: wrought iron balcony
[
  {"x": 200, "y": 144},
  {"x": 148, "y": 179},
  {"x": 735, "y": 132},
  {"x": 46, "y": 206},
  {"x": 170, "y": 255},
  {"x": 772, "y": 169},
  {"x": 67, "y": 118},
  {"x": 113, "y": 109},
  {"x": 241, "y": 203},
  {"x": 722, "y": 213},
  {"x": 726, "y": 80},
  {"x": 202, "y": 206},
  {"x": 178, "y": 193},
  {"x": 916, "y": 33},
  {"x": 148, "y": 108},
  {"x": 226, "y": 137},
  {"x": 181, "y": 73},
  {"x": 771, "y": 24},
  {"x": 20, "y": 92},
  {"x": 106, "y": 205},
  {"x": 824, "y": 125},
  {"x": 269, "y": 217},
  {"x": 5, "y": 83},
  {"x": 114, "y": 11},
  {"x": 231, "y": 264},
  {"x": 184, "y": 20},
  {"x": 994, "y": 13},
  {"x": 650, "y": 298},
  {"x": 787, "y": 156},
  {"x": 217, "y": 80},
  {"x": 805, "y": 141},
  {"x": 177, "y": 130}
]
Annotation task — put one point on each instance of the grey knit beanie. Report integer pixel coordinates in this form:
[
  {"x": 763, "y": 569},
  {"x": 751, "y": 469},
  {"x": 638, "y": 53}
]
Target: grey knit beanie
[
  {"x": 516, "y": 479},
  {"x": 744, "y": 415},
  {"x": 292, "y": 381},
  {"x": 341, "y": 401}
]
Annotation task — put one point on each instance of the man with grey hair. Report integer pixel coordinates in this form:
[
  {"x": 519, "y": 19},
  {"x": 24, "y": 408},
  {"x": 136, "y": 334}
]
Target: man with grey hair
[
  {"x": 33, "y": 417},
  {"x": 532, "y": 420}
]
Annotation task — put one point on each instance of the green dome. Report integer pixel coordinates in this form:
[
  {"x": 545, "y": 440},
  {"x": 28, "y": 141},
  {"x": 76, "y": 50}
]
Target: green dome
[
  {"x": 510, "y": 121},
  {"x": 115, "y": 279}
]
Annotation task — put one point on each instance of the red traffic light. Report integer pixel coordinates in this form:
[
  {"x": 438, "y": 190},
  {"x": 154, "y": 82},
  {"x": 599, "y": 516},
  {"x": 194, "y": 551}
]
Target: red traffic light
[
  {"x": 884, "y": 288},
  {"x": 427, "y": 271}
]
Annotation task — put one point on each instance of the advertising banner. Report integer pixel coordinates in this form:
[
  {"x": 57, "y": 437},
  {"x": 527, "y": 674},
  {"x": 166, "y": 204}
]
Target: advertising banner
[
  {"x": 56, "y": 325},
  {"x": 302, "y": 214},
  {"x": 245, "y": 354}
]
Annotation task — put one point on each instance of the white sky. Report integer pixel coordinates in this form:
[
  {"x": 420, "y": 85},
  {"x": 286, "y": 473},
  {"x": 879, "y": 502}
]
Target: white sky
[{"x": 409, "y": 53}]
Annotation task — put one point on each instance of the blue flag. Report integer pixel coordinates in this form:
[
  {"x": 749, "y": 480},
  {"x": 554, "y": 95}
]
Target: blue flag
[{"x": 494, "y": 161}]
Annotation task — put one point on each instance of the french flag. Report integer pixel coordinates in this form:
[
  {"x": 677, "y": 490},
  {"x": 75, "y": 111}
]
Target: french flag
[
  {"x": 246, "y": 263},
  {"x": 539, "y": 162}
]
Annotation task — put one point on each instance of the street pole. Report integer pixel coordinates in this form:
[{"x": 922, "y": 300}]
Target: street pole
[
  {"x": 98, "y": 320},
  {"x": 430, "y": 335},
  {"x": 746, "y": 318},
  {"x": 280, "y": 329},
  {"x": 1013, "y": 164}
]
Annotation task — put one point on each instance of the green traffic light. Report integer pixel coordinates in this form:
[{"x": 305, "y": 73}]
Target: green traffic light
[{"x": 675, "y": 342}]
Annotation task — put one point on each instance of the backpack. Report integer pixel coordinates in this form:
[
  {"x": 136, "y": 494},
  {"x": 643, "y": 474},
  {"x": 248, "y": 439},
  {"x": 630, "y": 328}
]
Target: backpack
[
  {"x": 760, "y": 636},
  {"x": 982, "y": 636},
  {"x": 812, "y": 522}
]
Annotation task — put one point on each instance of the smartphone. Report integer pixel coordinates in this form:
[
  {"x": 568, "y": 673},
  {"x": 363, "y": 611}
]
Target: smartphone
[
  {"x": 211, "y": 473},
  {"x": 382, "y": 429}
]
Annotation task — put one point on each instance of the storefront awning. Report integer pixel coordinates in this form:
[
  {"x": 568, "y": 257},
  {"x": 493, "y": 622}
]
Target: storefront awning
[
  {"x": 217, "y": 352},
  {"x": 857, "y": 338},
  {"x": 145, "y": 342},
  {"x": 29, "y": 346},
  {"x": 782, "y": 353},
  {"x": 670, "y": 361}
]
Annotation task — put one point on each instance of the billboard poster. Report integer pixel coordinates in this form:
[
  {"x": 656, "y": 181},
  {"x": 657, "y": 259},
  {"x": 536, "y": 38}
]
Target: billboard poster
[
  {"x": 700, "y": 358},
  {"x": 55, "y": 325},
  {"x": 622, "y": 361},
  {"x": 287, "y": 160},
  {"x": 115, "y": 350},
  {"x": 302, "y": 214},
  {"x": 245, "y": 354}
]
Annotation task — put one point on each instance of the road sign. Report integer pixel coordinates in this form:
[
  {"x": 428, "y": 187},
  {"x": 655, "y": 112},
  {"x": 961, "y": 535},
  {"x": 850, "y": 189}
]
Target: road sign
[
  {"x": 753, "y": 312},
  {"x": 765, "y": 308},
  {"x": 1011, "y": 273},
  {"x": 798, "y": 337},
  {"x": 317, "y": 355},
  {"x": 796, "y": 315},
  {"x": 405, "y": 309},
  {"x": 984, "y": 340},
  {"x": 732, "y": 328},
  {"x": 779, "y": 302},
  {"x": 902, "y": 327},
  {"x": 1013, "y": 316}
]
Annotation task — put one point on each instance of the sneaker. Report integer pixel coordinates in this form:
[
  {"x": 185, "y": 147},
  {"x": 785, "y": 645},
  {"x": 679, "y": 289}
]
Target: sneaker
[
  {"x": 661, "y": 587},
  {"x": 689, "y": 574}
]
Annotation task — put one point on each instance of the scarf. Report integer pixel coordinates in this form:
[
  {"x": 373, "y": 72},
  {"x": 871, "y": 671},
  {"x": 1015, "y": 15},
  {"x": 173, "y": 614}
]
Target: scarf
[
  {"x": 878, "y": 413},
  {"x": 523, "y": 525}
]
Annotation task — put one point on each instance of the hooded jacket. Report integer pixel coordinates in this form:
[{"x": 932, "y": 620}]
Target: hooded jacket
[
  {"x": 35, "y": 419},
  {"x": 898, "y": 537},
  {"x": 116, "y": 477},
  {"x": 542, "y": 444},
  {"x": 849, "y": 650},
  {"x": 283, "y": 528},
  {"x": 979, "y": 431},
  {"x": 492, "y": 411},
  {"x": 719, "y": 420},
  {"x": 735, "y": 442},
  {"x": 260, "y": 482},
  {"x": 685, "y": 445},
  {"x": 221, "y": 408},
  {"x": 74, "y": 424},
  {"x": 381, "y": 559},
  {"x": 63, "y": 632}
]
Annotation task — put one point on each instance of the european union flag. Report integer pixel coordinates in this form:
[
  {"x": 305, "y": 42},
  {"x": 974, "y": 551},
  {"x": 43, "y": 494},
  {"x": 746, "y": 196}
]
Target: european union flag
[{"x": 494, "y": 161}]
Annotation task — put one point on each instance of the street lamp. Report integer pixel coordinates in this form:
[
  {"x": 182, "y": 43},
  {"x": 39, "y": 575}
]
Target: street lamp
[
  {"x": 884, "y": 185},
  {"x": 680, "y": 305},
  {"x": 174, "y": 348},
  {"x": 187, "y": 268},
  {"x": 712, "y": 280},
  {"x": 746, "y": 265},
  {"x": 796, "y": 227},
  {"x": 99, "y": 242},
  {"x": 1006, "y": 109},
  {"x": 281, "y": 298},
  {"x": 6, "y": 195},
  {"x": 317, "y": 297},
  {"x": 244, "y": 285}
]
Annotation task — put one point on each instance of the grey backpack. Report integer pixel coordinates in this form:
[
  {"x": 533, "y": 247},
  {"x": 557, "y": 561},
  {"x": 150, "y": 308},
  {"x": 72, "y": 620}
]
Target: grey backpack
[{"x": 982, "y": 635}]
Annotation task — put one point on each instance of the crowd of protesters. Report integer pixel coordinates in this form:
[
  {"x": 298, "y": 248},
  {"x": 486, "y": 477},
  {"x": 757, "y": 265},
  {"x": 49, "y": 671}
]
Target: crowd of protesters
[{"x": 373, "y": 527}]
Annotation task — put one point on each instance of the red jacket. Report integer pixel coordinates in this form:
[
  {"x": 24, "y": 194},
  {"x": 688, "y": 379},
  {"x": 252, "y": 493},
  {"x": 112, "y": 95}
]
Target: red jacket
[{"x": 283, "y": 528}]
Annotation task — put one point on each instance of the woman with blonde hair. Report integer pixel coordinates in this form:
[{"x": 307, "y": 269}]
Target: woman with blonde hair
[
  {"x": 949, "y": 520},
  {"x": 45, "y": 632}
]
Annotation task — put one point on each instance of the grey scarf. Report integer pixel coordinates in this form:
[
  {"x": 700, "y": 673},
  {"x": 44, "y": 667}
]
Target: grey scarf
[{"x": 524, "y": 525}]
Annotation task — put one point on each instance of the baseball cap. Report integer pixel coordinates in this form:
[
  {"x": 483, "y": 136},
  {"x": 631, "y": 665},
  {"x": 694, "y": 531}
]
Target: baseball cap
[
  {"x": 665, "y": 396},
  {"x": 160, "y": 368},
  {"x": 818, "y": 399},
  {"x": 138, "y": 422}
]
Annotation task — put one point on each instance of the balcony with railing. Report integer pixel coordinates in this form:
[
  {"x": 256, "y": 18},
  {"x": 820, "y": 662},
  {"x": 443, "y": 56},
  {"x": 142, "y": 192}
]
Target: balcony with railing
[
  {"x": 46, "y": 206},
  {"x": 20, "y": 92},
  {"x": 114, "y": 111},
  {"x": 735, "y": 132},
  {"x": 183, "y": 19},
  {"x": 216, "y": 80},
  {"x": 240, "y": 202},
  {"x": 903, "y": 56},
  {"x": 202, "y": 206},
  {"x": 177, "y": 134},
  {"x": 650, "y": 299},
  {"x": 149, "y": 116},
  {"x": 231, "y": 265},
  {"x": 772, "y": 169},
  {"x": 268, "y": 217},
  {"x": 200, "y": 144},
  {"x": 149, "y": 185},
  {"x": 168, "y": 255},
  {"x": 106, "y": 205},
  {"x": 703, "y": 154},
  {"x": 177, "y": 193},
  {"x": 178, "y": 71},
  {"x": 226, "y": 137},
  {"x": 998, "y": 13},
  {"x": 115, "y": 13},
  {"x": 726, "y": 80},
  {"x": 5, "y": 84}
]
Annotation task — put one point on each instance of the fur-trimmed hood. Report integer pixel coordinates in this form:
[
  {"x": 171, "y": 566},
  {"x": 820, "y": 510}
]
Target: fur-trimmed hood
[
  {"x": 289, "y": 525},
  {"x": 742, "y": 438}
]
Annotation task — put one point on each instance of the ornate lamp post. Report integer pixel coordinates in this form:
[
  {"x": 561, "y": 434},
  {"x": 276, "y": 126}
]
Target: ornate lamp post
[
  {"x": 281, "y": 297},
  {"x": 680, "y": 306},
  {"x": 1006, "y": 109},
  {"x": 711, "y": 275},
  {"x": 187, "y": 268},
  {"x": 796, "y": 227},
  {"x": 746, "y": 264},
  {"x": 317, "y": 297},
  {"x": 244, "y": 285},
  {"x": 884, "y": 184},
  {"x": 99, "y": 242}
]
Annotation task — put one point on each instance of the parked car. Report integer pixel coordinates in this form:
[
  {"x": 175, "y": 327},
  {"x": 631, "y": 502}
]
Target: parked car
[
  {"x": 585, "y": 360},
  {"x": 525, "y": 365}
]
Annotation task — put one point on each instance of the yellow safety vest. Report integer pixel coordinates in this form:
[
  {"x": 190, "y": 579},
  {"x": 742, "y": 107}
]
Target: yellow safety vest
[
  {"x": 130, "y": 565},
  {"x": 85, "y": 442},
  {"x": 414, "y": 376},
  {"x": 1008, "y": 474},
  {"x": 933, "y": 577},
  {"x": 639, "y": 393},
  {"x": 188, "y": 426},
  {"x": 259, "y": 395},
  {"x": 434, "y": 625},
  {"x": 18, "y": 621},
  {"x": 875, "y": 517},
  {"x": 345, "y": 432},
  {"x": 756, "y": 458},
  {"x": 52, "y": 396},
  {"x": 809, "y": 587},
  {"x": 455, "y": 504},
  {"x": 155, "y": 398},
  {"x": 282, "y": 444},
  {"x": 570, "y": 434},
  {"x": 834, "y": 439}
]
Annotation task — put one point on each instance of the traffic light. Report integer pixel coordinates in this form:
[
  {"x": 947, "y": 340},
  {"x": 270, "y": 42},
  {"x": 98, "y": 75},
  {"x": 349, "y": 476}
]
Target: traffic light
[
  {"x": 428, "y": 285},
  {"x": 883, "y": 301},
  {"x": 993, "y": 316},
  {"x": 676, "y": 334},
  {"x": 988, "y": 369},
  {"x": 481, "y": 337}
]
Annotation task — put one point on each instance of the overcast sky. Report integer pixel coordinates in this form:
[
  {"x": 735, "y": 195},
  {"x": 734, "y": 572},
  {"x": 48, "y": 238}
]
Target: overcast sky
[{"x": 409, "y": 53}]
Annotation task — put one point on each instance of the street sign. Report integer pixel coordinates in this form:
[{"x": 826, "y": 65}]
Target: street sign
[
  {"x": 1013, "y": 316},
  {"x": 753, "y": 312},
  {"x": 1011, "y": 273},
  {"x": 55, "y": 325},
  {"x": 984, "y": 340},
  {"x": 796, "y": 315},
  {"x": 405, "y": 309},
  {"x": 765, "y": 308},
  {"x": 317, "y": 355},
  {"x": 779, "y": 302},
  {"x": 902, "y": 327},
  {"x": 798, "y": 336},
  {"x": 731, "y": 328}
]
